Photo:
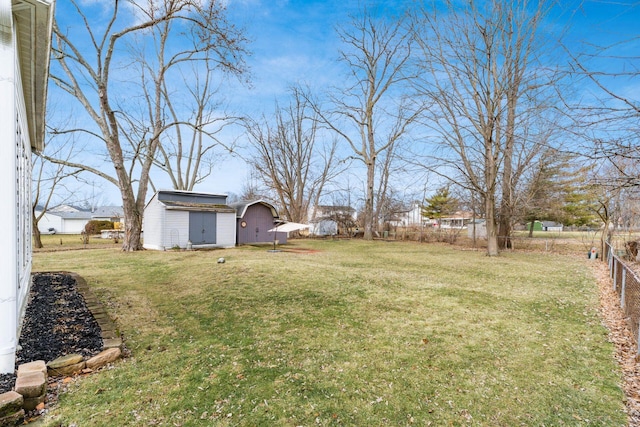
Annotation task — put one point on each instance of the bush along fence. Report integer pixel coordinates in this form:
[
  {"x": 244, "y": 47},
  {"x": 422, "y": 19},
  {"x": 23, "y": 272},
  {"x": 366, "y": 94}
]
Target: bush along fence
[{"x": 626, "y": 283}]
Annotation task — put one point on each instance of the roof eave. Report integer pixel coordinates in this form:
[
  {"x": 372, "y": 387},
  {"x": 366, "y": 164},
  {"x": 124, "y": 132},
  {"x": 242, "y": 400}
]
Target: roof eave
[{"x": 35, "y": 19}]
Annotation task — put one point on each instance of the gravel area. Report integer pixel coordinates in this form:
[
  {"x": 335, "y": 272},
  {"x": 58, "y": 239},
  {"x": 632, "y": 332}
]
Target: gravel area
[{"x": 57, "y": 322}]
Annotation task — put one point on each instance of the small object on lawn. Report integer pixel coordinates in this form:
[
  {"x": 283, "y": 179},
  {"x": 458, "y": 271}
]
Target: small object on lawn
[{"x": 221, "y": 260}]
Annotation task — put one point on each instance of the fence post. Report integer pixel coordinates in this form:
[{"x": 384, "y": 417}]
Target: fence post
[
  {"x": 615, "y": 275},
  {"x": 624, "y": 285},
  {"x": 611, "y": 260}
]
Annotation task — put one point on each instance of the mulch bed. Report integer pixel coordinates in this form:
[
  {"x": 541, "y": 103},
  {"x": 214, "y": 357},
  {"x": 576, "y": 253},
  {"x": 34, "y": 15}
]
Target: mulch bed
[{"x": 57, "y": 322}]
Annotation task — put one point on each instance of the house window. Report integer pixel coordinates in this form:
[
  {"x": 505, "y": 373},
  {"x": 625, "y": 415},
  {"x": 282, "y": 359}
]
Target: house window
[{"x": 22, "y": 188}]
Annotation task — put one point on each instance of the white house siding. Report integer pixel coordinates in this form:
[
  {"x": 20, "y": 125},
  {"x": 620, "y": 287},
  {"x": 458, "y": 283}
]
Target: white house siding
[
  {"x": 8, "y": 259},
  {"x": 16, "y": 126},
  {"x": 412, "y": 217},
  {"x": 176, "y": 228},
  {"x": 49, "y": 221},
  {"x": 61, "y": 225},
  {"x": 325, "y": 227},
  {"x": 73, "y": 225},
  {"x": 478, "y": 228},
  {"x": 152, "y": 225}
]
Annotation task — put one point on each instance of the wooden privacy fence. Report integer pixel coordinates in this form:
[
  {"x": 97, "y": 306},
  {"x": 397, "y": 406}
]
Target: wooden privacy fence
[{"x": 626, "y": 283}]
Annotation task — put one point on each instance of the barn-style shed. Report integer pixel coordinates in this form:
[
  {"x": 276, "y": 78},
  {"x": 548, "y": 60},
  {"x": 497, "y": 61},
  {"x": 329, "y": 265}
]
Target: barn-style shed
[
  {"x": 174, "y": 218},
  {"x": 254, "y": 219}
]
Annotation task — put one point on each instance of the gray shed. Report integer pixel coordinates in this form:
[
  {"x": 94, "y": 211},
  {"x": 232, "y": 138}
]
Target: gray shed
[
  {"x": 174, "y": 218},
  {"x": 254, "y": 219}
]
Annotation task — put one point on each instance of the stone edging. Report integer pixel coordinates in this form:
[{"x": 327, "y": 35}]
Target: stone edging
[{"x": 31, "y": 382}]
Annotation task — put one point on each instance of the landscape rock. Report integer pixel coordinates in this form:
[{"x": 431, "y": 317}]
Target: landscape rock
[
  {"x": 13, "y": 419},
  {"x": 106, "y": 356},
  {"x": 61, "y": 362},
  {"x": 112, "y": 343},
  {"x": 108, "y": 334},
  {"x": 67, "y": 370},
  {"x": 35, "y": 366},
  {"x": 33, "y": 384},
  {"x": 66, "y": 365},
  {"x": 31, "y": 403},
  {"x": 10, "y": 403}
]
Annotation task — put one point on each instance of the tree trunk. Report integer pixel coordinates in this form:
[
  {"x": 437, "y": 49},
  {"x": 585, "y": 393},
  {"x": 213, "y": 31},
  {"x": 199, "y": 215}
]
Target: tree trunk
[
  {"x": 504, "y": 228},
  {"x": 368, "y": 204},
  {"x": 132, "y": 227},
  {"x": 508, "y": 176},
  {"x": 533, "y": 221},
  {"x": 37, "y": 240},
  {"x": 492, "y": 241}
]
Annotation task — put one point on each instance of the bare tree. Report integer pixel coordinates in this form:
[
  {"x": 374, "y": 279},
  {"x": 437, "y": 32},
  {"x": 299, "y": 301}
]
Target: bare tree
[
  {"x": 94, "y": 78},
  {"x": 291, "y": 156},
  {"x": 48, "y": 180},
  {"x": 374, "y": 110},
  {"x": 190, "y": 147},
  {"x": 384, "y": 203},
  {"x": 608, "y": 120},
  {"x": 483, "y": 73}
]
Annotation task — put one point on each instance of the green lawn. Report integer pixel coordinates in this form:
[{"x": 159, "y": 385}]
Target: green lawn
[
  {"x": 357, "y": 333},
  {"x": 65, "y": 242}
]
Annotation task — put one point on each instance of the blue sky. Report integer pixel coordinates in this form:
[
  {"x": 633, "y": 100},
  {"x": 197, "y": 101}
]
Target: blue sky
[{"x": 294, "y": 41}]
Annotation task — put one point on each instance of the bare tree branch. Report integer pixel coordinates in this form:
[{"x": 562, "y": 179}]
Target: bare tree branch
[{"x": 131, "y": 136}]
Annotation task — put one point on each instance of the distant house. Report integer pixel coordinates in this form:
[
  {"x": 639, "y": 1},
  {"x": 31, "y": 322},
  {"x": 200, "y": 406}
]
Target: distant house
[
  {"x": 544, "y": 226},
  {"x": 179, "y": 219},
  {"x": 458, "y": 220},
  {"x": 537, "y": 226},
  {"x": 552, "y": 226},
  {"x": 323, "y": 227},
  {"x": 328, "y": 220},
  {"x": 411, "y": 216},
  {"x": 25, "y": 46},
  {"x": 71, "y": 220},
  {"x": 254, "y": 219}
]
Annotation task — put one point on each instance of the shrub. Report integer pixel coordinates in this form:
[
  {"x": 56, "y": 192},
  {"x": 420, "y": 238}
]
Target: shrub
[{"x": 95, "y": 227}]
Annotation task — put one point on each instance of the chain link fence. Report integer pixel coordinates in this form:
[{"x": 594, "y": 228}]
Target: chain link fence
[{"x": 626, "y": 283}]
